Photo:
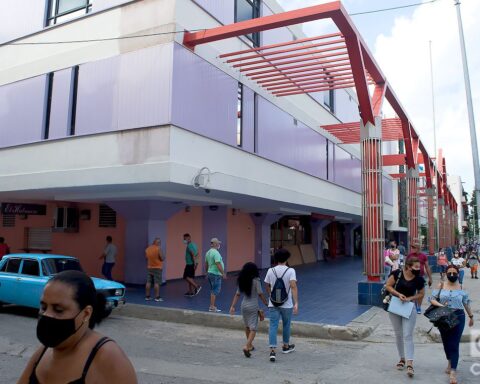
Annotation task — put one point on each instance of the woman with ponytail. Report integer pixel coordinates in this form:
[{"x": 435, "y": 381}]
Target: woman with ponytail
[{"x": 72, "y": 351}]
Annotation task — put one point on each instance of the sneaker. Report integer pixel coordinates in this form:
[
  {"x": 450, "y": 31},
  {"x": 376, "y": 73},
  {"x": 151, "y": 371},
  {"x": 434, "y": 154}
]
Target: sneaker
[
  {"x": 214, "y": 309},
  {"x": 419, "y": 310},
  {"x": 273, "y": 356},
  {"x": 157, "y": 299},
  {"x": 197, "y": 290},
  {"x": 148, "y": 298},
  {"x": 289, "y": 348}
]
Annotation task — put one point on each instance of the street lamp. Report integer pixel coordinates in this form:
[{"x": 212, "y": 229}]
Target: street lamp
[{"x": 471, "y": 117}]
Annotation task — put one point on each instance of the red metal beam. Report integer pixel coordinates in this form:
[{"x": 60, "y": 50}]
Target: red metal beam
[
  {"x": 298, "y": 16},
  {"x": 334, "y": 63},
  {"x": 393, "y": 160},
  {"x": 378, "y": 97}
]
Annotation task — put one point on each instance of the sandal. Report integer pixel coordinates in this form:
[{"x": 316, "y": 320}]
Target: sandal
[
  {"x": 410, "y": 371},
  {"x": 401, "y": 364},
  {"x": 453, "y": 379},
  {"x": 246, "y": 352}
]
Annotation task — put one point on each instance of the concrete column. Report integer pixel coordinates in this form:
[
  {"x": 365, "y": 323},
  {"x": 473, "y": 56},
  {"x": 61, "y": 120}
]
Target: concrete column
[
  {"x": 317, "y": 237},
  {"x": 372, "y": 199},
  {"x": 263, "y": 222},
  {"x": 215, "y": 225},
  {"x": 441, "y": 223},
  {"x": 412, "y": 205},
  {"x": 350, "y": 239},
  {"x": 145, "y": 220},
  {"x": 430, "y": 192}
]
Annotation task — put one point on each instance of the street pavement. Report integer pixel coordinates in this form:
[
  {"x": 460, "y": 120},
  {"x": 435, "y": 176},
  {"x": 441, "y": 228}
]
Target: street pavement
[{"x": 169, "y": 353}]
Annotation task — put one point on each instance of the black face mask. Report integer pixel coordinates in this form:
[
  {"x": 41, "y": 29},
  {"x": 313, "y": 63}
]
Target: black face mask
[
  {"x": 52, "y": 332},
  {"x": 452, "y": 277},
  {"x": 416, "y": 272}
]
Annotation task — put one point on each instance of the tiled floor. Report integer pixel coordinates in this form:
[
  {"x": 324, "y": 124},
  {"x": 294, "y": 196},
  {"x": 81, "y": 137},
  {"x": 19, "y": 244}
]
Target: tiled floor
[{"x": 327, "y": 292}]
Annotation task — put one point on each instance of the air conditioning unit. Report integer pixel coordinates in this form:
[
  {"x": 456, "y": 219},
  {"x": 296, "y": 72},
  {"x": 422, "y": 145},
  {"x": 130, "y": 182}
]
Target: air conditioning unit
[{"x": 66, "y": 220}]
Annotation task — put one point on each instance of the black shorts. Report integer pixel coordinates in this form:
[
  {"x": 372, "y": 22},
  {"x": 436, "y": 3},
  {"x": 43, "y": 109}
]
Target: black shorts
[{"x": 189, "y": 271}]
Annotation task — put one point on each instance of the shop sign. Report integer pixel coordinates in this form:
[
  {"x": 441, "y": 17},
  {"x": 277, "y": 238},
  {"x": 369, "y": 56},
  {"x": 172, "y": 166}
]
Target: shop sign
[{"x": 23, "y": 209}]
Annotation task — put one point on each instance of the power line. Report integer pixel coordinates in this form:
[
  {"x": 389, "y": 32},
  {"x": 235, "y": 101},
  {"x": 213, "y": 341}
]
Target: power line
[
  {"x": 393, "y": 8},
  {"x": 194, "y": 30}
]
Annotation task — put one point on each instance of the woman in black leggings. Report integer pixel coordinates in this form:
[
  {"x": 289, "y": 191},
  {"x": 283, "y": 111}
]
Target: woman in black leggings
[{"x": 452, "y": 296}]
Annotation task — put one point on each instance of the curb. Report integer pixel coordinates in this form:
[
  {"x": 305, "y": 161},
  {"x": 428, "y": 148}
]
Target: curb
[{"x": 215, "y": 320}]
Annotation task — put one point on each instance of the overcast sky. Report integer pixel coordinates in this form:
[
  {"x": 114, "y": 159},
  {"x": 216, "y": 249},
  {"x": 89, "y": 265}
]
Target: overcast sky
[{"x": 399, "y": 40}]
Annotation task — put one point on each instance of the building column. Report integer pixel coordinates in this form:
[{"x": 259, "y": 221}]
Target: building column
[
  {"x": 448, "y": 226},
  {"x": 431, "y": 220},
  {"x": 263, "y": 223},
  {"x": 145, "y": 220},
  {"x": 412, "y": 206},
  {"x": 441, "y": 223},
  {"x": 214, "y": 223},
  {"x": 317, "y": 236},
  {"x": 372, "y": 199},
  {"x": 350, "y": 239}
]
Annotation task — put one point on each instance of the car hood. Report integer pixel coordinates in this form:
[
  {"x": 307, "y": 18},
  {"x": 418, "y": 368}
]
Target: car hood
[{"x": 106, "y": 284}]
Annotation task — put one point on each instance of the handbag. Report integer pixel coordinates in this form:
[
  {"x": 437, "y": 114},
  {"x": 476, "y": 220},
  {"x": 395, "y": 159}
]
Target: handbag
[
  {"x": 386, "y": 296},
  {"x": 444, "y": 318}
]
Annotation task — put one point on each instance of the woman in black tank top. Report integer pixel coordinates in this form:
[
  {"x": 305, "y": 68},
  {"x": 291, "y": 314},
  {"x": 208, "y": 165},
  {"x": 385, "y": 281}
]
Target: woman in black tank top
[{"x": 72, "y": 352}]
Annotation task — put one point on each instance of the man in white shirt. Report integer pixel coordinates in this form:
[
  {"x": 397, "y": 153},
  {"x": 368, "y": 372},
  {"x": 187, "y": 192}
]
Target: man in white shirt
[
  {"x": 285, "y": 310},
  {"x": 109, "y": 257}
]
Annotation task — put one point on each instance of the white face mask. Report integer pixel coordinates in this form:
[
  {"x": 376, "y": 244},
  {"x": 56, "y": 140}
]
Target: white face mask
[
  {"x": 185, "y": 242},
  {"x": 218, "y": 246}
]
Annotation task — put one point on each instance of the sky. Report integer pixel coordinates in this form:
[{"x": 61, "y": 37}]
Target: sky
[{"x": 399, "y": 40}]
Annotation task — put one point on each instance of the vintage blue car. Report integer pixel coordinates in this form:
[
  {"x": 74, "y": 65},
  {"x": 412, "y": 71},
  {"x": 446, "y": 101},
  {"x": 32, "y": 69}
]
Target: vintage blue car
[{"x": 23, "y": 276}]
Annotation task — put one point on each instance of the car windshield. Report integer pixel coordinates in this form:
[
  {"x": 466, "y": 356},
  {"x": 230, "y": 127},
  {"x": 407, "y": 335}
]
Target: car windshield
[{"x": 53, "y": 266}]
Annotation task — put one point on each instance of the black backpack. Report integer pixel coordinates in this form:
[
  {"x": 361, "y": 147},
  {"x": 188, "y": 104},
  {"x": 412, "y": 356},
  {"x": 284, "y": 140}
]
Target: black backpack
[{"x": 279, "y": 293}]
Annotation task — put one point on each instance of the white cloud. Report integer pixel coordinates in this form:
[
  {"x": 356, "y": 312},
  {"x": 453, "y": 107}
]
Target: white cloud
[{"x": 403, "y": 55}]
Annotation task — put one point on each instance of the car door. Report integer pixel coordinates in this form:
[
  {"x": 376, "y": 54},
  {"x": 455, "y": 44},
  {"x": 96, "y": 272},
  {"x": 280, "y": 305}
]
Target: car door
[
  {"x": 9, "y": 278},
  {"x": 30, "y": 283}
]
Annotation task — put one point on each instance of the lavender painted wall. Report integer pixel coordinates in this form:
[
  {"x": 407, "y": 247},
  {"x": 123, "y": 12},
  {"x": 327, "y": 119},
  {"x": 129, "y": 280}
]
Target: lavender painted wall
[
  {"x": 60, "y": 107},
  {"x": 331, "y": 160},
  {"x": 248, "y": 120},
  {"x": 296, "y": 146},
  {"x": 20, "y": 17},
  {"x": 127, "y": 91},
  {"x": 22, "y": 108},
  {"x": 347, "y": 170},
  {"x": 214, "y": 224},
  {"x": 221, "y": 10},
  {"x": 204, "y": 99},
  {"x": 387, "y": 190}
]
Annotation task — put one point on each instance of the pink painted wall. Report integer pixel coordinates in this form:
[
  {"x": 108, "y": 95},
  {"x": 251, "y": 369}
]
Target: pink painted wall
[
  {"x": 241, "y": 240},
  {"x": 183, "y": 222},
  {"x": 87, "y": 244}
]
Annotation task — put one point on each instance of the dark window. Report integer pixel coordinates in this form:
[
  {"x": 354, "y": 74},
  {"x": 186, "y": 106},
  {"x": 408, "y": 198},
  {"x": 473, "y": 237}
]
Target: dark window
[
  {"x": 107, "y": 217},
  {"x": 73, "y": 99},
  {"x": 53, "y": 266},
  {"x": 64, "y": 10},
  {"x": 329, "y": 100},
  {"x": 48, "y": 106},
  {"x": 240, "y": 115},
  {"x": 8, "y": 220},
  {"x": 30, "y": 267},
  {"x": 247, "y": 10},
  {"x": 13, "y": 265}
]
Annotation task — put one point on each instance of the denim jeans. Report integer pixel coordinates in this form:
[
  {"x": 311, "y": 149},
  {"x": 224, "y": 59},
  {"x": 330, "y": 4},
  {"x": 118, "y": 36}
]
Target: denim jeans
[
  {"x": 215, "y": 282},
  {"x": 107, "y": 270},
  {"x": 275, "y": 314},
  {"x": 388, "y": 270},
  {"x": 460, "y": 276},
  {"x": 451, "y": 340}
]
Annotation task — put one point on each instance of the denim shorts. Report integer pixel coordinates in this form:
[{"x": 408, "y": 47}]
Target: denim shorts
[{"x": 215, "y": 282}]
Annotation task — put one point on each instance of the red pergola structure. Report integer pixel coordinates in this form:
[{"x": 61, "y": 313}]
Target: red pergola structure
[{"x": 324, "y": 63}]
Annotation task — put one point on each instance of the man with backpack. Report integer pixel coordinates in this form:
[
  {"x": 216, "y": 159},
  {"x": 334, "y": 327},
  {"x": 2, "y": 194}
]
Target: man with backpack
[{"x": 281, "y": 286}]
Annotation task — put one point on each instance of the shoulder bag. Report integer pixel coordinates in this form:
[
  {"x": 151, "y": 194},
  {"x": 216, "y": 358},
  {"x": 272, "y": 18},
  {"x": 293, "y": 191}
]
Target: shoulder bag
[{"x": 444, "y": 318}]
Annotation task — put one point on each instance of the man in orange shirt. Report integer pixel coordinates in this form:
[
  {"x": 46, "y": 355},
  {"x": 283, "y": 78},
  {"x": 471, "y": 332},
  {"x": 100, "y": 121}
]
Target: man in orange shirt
[{"x": 154, "y": 257}]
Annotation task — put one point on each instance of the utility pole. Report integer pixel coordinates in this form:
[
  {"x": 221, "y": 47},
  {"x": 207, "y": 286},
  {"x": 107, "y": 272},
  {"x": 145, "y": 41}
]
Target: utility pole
[{"x": 471, "y": 117}]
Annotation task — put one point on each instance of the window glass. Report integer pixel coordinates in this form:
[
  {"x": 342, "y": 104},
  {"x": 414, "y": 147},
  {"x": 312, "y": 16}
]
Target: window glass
[
  {"x": 239, "y": 114},
  {"x": 244, "y": 10},
  {"x": 67, "y": 5},
  {"x": 30, "y": 267},
  {"x": 247, "y": 10},
  {"x": 13, "y": 265},
  {"x": 53, "y": 266}
]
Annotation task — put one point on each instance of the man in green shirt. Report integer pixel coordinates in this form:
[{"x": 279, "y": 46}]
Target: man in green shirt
[
  {"x": 215, "y": 272},
  {"x": 191, "y": 263}
]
